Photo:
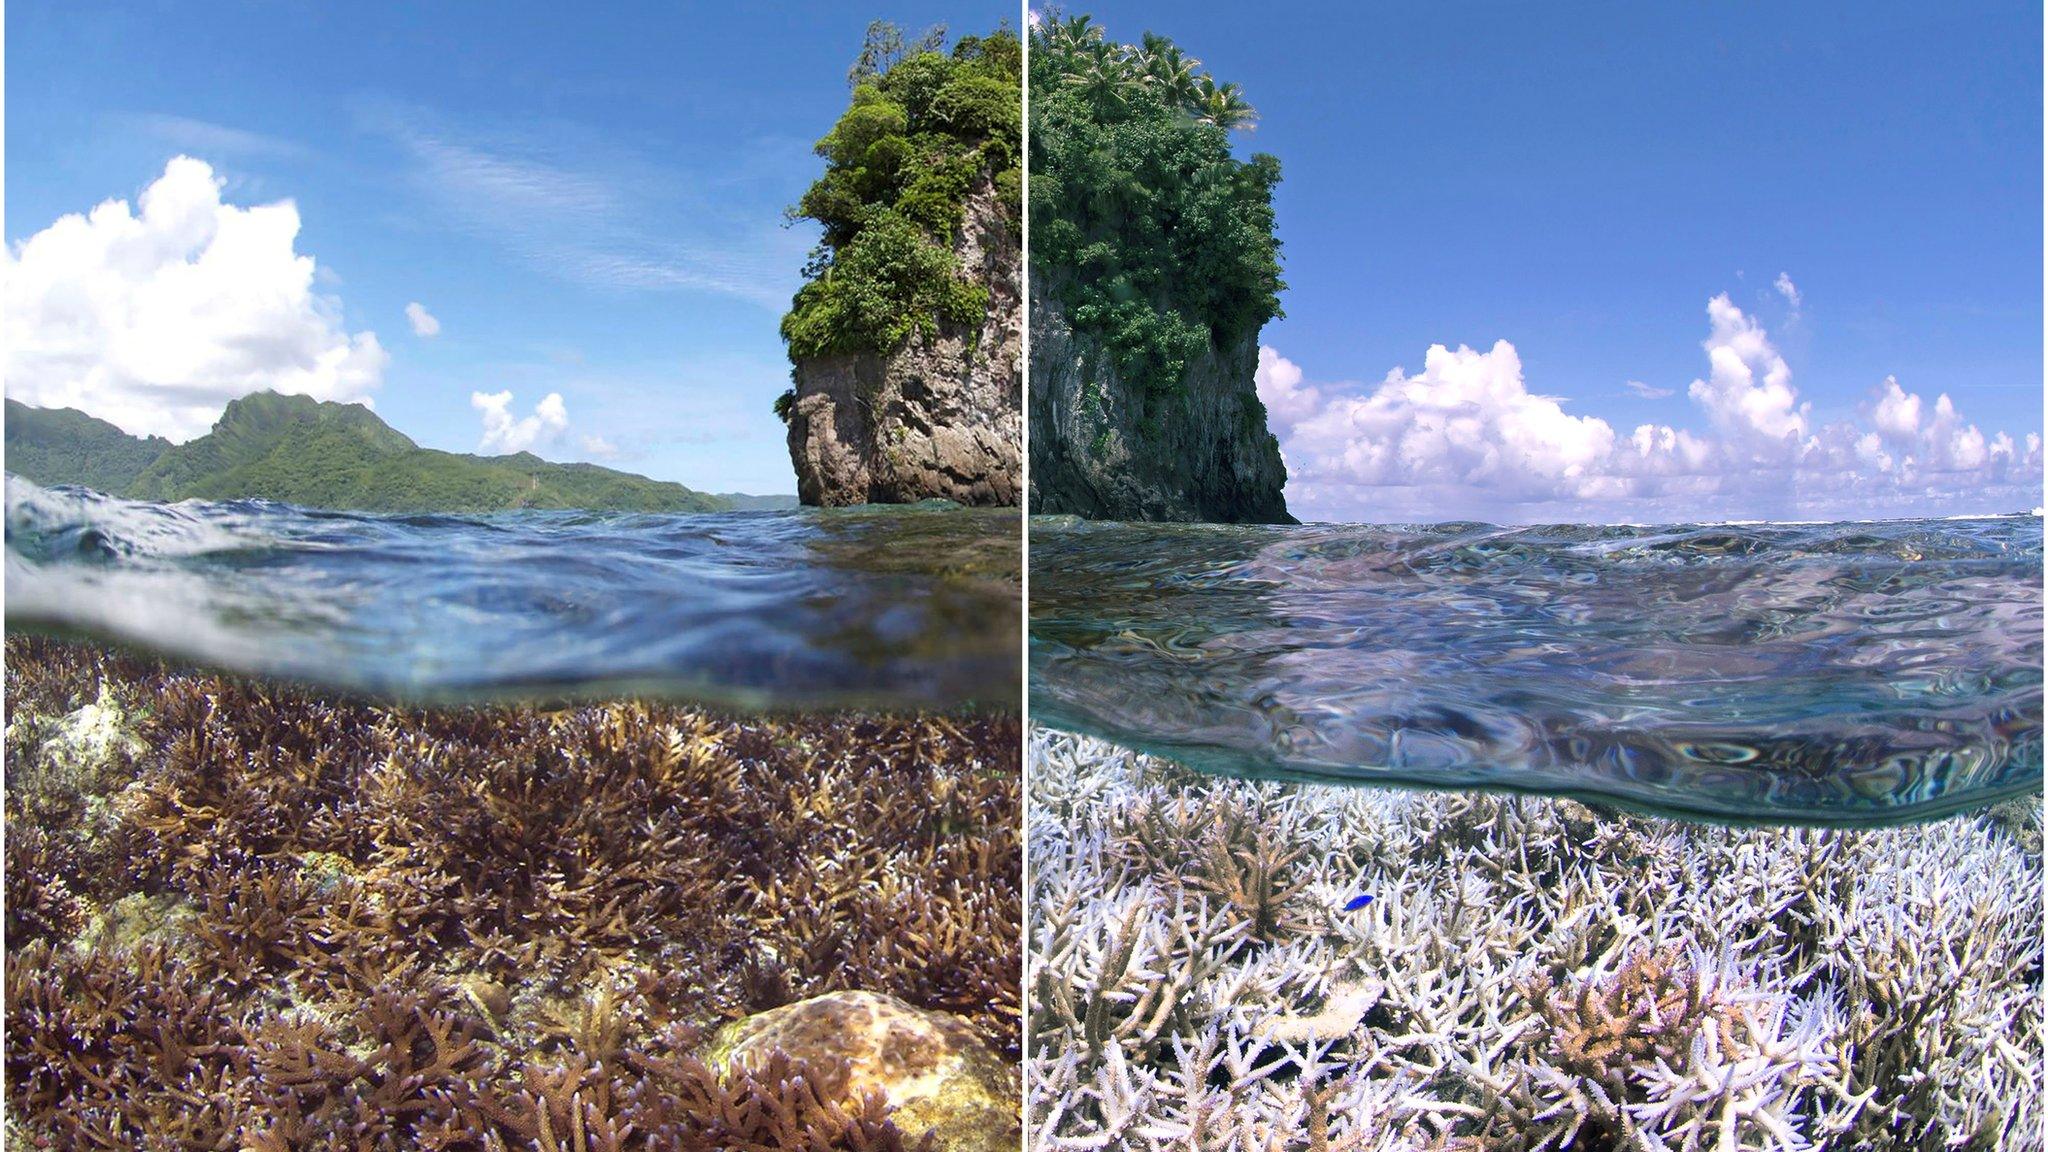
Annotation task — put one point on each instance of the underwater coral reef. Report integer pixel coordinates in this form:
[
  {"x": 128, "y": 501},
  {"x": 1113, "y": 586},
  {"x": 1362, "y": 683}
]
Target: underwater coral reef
[
  {"x": 1206, "y": 971},
  {"x": 240, "y": 915}
]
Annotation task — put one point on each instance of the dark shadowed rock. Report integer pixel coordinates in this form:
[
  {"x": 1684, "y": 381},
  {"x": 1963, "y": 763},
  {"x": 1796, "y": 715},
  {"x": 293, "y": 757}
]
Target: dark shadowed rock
[{"x": 1107, "y": 450}]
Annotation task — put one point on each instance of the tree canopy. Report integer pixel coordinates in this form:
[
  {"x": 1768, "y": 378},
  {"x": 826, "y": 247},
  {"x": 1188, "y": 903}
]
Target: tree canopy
[
  {"x": 922, "y": 127},
  {"x": 1155, "y": 237}
]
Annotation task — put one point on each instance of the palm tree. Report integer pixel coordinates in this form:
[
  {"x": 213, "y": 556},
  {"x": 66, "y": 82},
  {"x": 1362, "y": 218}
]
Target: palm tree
[
  {"x": 1102, "y": 74},
  {"x": 1071, "y": 34},
  {"x": 1172, "y": 70},
  {"x": 1223, "y": 105},
  {"x": 1141, "y": 56}
]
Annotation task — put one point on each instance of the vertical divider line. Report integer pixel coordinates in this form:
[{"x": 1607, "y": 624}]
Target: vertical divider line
[{"x": 1024, "y": 596}]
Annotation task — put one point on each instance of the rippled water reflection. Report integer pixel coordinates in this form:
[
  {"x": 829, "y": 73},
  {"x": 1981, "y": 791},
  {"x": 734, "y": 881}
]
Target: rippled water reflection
[
  {"x": 1831, "y": 673},
  {"x": 891, "y": 607}
]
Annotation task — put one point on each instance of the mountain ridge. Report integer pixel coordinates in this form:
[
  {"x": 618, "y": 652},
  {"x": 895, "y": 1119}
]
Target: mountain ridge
[{"x": 318, "y": 454}]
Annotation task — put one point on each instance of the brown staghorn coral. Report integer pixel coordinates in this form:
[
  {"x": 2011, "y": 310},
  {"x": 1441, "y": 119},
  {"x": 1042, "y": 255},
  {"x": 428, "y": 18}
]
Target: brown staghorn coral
[
  {"x": 1647, "y": 1010},
  {"x": 355, "y": 926}
]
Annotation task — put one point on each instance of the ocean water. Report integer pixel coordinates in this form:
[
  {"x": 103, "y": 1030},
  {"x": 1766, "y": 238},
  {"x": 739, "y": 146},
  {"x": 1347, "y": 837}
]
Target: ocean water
[
  {"x": 1848, "y": 673},
  {"x": 899, "y": 608}
]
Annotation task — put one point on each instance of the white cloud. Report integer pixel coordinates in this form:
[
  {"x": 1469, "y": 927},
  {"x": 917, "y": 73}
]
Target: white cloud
[
  {"x": 1748, "y": 393},
  {"x": 1467, "y": 422},
  {"x": 599, "y": 447},
  {"x": 595, "y": 215},
  {"x": 155, "y": 319},
  {"x": 1647, "y": 391},
  {"x": 1466, "y": 437},
  {"x": 1279, "y": 384},
  {"x": 504, "y": 433},
  {"x": 190, "y": 135},
  {"x": 1897, "y": 413},
  {"x": 1942, "y": 442},
  {"x": 1788, "y": 290},
  {"x": 424, "y": 325}
]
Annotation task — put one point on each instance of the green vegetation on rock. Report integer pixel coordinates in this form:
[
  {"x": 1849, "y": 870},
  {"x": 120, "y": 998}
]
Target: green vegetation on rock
[
  {"x": 1152, "y": 235},
  {"x": 320, "y": 454},
  {"x": 923, "y": 128}
]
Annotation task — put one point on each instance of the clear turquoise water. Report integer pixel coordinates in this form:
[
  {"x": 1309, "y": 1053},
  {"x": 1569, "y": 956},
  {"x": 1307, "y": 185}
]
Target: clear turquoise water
[
  {"x": 1826, "y": 673},
  {"x": 874, "y": 607}
]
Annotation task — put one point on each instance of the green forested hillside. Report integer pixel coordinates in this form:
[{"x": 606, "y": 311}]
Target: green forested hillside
[
  {"x": 747, "y": 502},
  {"x": 65, "y": 446},
  {"x": 325, "y": 455}
]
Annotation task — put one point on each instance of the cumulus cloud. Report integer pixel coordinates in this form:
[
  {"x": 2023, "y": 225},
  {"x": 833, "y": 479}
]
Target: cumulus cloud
[
  {"x": 1897, "y": 413},
  {"x": 505, "y": 433},
  {"x": 154, "y": 317},
  {"x": 1748, "y": 392},
  {"x": 1466, "y": 421},
  {"x": 1939, "y": 441},
  {"x": 1279, "y": 384},
  {"x": 599, "y": 447},
  {"x": 424, "y": 325},
  {"x": 1467, "y": 437},
  {"x": 1788, "y": 290}
]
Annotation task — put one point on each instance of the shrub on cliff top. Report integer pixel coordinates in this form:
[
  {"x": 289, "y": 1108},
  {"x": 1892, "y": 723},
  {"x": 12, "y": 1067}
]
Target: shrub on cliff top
[
  {"x": 888, "y": 284},
  {"x": 1159, "y": 240},
  {"x": 922, "y": 127}
]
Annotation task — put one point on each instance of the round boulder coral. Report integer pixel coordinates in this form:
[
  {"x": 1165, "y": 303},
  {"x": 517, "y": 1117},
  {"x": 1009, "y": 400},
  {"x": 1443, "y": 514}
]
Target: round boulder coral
[{"x": 935, "y": 1073}]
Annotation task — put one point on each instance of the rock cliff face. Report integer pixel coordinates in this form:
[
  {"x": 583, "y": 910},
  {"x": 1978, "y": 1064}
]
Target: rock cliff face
[
  {"x": 937, "y": 418},
  {"x": 1105, "y": 450}
]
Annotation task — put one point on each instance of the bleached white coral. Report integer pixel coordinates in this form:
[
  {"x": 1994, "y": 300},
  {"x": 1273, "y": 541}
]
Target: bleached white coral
[{"x": 1530, "y": 974}]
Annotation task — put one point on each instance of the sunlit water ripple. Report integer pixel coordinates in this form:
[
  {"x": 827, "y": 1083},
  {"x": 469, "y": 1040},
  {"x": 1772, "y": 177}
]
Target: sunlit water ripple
[
  {"x": 885, "y": 607},
  {"x": 1827, "y": 673}
]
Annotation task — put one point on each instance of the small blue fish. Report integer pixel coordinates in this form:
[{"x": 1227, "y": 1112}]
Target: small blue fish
[{"x": 1357, "y": 902}]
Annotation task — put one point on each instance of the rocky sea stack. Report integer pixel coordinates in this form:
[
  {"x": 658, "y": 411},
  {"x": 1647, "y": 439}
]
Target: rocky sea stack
[
  {"x": 937, "y": 417},
  {"x": 906, "y": 340},
  {"x": 1154, "y": 265}
]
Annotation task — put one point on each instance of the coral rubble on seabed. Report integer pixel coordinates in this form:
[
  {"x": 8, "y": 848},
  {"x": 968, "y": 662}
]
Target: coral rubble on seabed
[
  {"x": 261, "y": 919},
  {"x": 1531, "y": 974}
]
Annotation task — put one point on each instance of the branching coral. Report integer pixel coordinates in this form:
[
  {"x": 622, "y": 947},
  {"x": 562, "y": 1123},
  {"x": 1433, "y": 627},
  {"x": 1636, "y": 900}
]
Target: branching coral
[
  {"x": 1529, "y": 975},
  {"x": 344, "y": 925}
]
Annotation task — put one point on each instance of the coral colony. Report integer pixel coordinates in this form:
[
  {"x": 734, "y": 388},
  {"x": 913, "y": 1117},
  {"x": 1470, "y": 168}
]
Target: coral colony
[
  {"x": 1529, "y": 974},
  {"x": 244, "y": 916}
]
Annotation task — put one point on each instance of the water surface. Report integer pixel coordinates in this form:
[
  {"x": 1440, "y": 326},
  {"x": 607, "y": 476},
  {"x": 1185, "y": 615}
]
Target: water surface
[
  {"x": 1824, "y": 673},
  {"x": 886, "y": 607}
]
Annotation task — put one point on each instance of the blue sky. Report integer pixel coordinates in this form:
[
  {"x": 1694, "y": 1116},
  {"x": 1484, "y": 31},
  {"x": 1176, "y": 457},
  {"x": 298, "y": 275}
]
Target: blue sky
[
  {"x": 589, "y": 207},
  {"x": 1581, "y": 180}
]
